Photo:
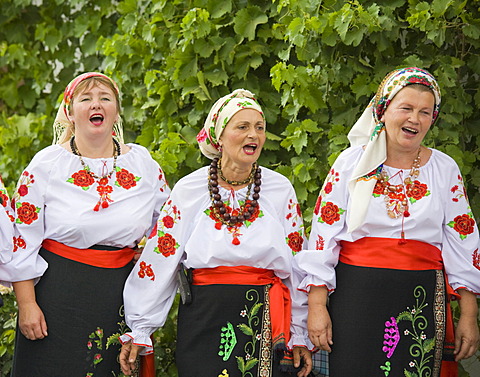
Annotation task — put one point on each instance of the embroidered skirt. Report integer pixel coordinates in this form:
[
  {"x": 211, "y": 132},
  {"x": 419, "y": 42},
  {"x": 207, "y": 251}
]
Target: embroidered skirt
[
  {"x": 226, "y": 332},
  {"x": 83, "y": 307},
  {"x": 387, "y": 322}
]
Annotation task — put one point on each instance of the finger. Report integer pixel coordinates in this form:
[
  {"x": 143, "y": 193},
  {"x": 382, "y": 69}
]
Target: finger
[
  {"x": 132, "y": 357},
  {"x": 37, "y": 332},
  {"x": 43, "y": 326},
  {"x": 124, "y": 353},
  {"x": 296, "y": 357}
]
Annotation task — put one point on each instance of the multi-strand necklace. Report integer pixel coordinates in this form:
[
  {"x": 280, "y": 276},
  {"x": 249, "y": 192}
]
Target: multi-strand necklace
[
  {"x": 116, "y": 153},
  {"x": 219, "y": 210},
  {"x": 395, "y": 198}
]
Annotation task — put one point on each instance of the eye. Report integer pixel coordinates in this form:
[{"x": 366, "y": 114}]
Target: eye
[
  {"x": 106, "y": 99},
  {"x": 84, "y": 99},
  {"x": 260, "y": 127}
]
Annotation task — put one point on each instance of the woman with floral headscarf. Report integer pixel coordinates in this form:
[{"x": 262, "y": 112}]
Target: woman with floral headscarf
[
  {"x": 234, "y": 226},
  {"x": 82, "y": 205},
  {"x": 393, "y": 240}
]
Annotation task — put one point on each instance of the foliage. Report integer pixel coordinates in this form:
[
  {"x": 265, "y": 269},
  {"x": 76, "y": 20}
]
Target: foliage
[
  {"x": 8, "y": 321},
  {"x": 313, "y": 64}
]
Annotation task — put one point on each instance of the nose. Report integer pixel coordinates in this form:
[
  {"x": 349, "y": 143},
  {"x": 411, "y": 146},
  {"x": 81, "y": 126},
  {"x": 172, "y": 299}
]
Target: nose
[
  {"x": 95, "y": 104},
  {"x": 415, "y": 117}
]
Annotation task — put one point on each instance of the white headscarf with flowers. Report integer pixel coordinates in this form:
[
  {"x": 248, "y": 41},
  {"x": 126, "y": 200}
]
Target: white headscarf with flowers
[
  {"x": 63, "y": 126},
  {"x": 221, "y": 112},
  {"x": 369, "y": 130}
]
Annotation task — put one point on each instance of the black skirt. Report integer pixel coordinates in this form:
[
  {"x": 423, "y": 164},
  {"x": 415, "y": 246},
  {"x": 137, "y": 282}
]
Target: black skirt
[
  {"x": 83, "y": 308},
  {"x": 387, "y": 322},
  {"x": 226, "y": 331}
]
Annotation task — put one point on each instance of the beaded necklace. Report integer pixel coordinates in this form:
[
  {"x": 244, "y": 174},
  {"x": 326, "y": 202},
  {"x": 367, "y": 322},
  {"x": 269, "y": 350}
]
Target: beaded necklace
[
  {"x": 116, "y": 153},
  {"x": 396, "y": 201},
  {"x": 246, "y": 210}
]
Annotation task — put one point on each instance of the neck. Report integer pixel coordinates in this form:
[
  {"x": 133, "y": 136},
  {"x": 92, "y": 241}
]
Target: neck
[
  {"x": 95, "y": 147},
  {"x": 235, "y": 172},
  {"x": 401, "y": 159}
]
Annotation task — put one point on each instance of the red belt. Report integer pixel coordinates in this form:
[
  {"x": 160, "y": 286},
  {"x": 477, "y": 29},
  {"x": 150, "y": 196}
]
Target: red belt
[
  {"x": 280, "y": 301},
  {"x": 98, "y": 258},
  {"x": 387, "y": 253}
]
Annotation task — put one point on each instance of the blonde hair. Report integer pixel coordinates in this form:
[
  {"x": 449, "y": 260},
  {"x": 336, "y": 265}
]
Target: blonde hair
[{"x": 68, "y": 129}]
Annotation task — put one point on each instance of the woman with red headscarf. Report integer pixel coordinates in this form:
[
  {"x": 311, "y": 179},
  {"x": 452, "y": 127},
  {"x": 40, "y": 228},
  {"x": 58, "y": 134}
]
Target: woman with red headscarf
[{"x": 82, "y": 205}]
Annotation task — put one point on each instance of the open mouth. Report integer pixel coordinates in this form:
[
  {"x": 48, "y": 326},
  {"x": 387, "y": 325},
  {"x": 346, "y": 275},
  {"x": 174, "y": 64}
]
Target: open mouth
[
  {"x": 410, "y": 131},
  {"x": 250, "y": 148},
  {"x": 97, "y": 119}
]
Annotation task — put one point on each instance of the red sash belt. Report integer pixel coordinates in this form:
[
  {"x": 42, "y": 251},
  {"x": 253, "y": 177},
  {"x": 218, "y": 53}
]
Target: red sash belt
[
  {"x": 387, "y": 253},
  {"x": 280, "y": 302},
  {"x": 98, "y": 258}
]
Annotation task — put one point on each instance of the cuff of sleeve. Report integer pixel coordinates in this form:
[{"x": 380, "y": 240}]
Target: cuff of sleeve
[
  {"x": 300, "y": 341},
  {"x": 310, "y": 281},
  {"x": 139, "y": 339}
]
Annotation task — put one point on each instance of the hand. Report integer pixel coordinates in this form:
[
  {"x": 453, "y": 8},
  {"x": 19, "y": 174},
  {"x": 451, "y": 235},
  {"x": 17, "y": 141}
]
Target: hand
[
  {"x": 319, "y": 327},
  {"x": 466, "y": 337},
  {"x": 128, "y": 358},
  {"x": 31, "y": 321},
  {"x": 302, "y": 353}
]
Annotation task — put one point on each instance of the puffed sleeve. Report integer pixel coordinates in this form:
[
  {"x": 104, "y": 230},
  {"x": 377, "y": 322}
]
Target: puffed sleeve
[
  {"x": 28, "y": 203},
  {"x": 317, "y": 263},
  {"x": 151, "y": 287},
  {"x": 295, "y": 237},
  {"x": 460, "y": 236},
  {"x": 6, "y": 228},
  {"x": 162, "y": 191}
]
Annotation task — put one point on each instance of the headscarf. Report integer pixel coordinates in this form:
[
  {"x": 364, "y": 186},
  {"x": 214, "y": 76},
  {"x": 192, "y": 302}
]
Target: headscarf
[
  {"x": 63, "y": 126},
  {"x": 370, "y": 130},
  {"x": 220, "y": 113}
]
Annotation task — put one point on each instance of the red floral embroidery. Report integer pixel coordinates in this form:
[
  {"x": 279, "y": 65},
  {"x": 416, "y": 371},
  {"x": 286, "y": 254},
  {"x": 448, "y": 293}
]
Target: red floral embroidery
[
  {"x": 458, "y": 190},
  {"x": 26, "y": 180},
  {"x": 295, "y": 241},
  {"x": 154, "y": 231},
  {"x": 166, "y": 244},
  {"x": 328, "y": 188},
  {"x": 378, "y": 189},
  {"x": 235, "y": 230},
  {"x": 319, "y": 243},
  {"x": 318, "y": 204},
  {"x": 168, "y": 222},
  {"x": 146, "y": 270},
  {"x": 26, "y": 213},
  {"x": 18, "y": 243},
  {"x": 417, "y": 190},
  {"x": 330, "y": 213},
  {"x": 171, "y": 214},
  {"x": 3, "y": 198},
  {"x": 125, "y": 179},
  {"x": 82, "y": 178},
  {"x": 463, "y": 224},
  {"x": 476, "y": 259},
  {"x": 104, "y": 190}
]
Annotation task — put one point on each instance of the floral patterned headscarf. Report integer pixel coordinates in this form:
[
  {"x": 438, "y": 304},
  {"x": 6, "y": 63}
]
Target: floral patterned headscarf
[
  {"x": 369, "y": 130},
  {"x": 221, "y": 112},
  {"x": 63, "y": 126}
]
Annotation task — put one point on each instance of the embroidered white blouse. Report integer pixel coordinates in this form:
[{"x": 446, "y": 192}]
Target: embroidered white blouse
[
  {"x": 187, "y": 234},
  {"x": 6, "y": 227},
  {"x": 440, "y": 215},
  {"x": 57, "y": 199}
]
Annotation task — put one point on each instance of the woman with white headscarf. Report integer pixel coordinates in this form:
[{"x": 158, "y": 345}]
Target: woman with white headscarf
[
  {"x": 393, "y": 240},
  {"x": 234, "y": 227},
  {"x": 81, "y": 207}
]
